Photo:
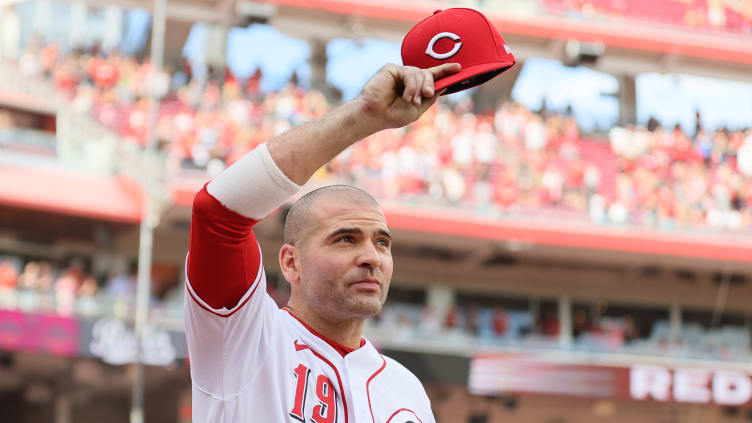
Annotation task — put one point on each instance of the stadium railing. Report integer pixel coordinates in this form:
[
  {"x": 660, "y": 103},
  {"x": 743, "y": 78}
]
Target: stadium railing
[{"x": 405, "y": 326}]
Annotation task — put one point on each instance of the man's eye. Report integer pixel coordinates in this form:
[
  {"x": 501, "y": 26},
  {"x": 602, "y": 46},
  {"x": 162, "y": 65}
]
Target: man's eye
[
  {"x": 385, "y": 242},
  {"x": 346, "y": 238}
]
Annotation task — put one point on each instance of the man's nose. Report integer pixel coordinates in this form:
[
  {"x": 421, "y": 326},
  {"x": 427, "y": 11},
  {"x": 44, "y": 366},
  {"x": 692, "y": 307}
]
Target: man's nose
[{"x": 369, "y": 256}]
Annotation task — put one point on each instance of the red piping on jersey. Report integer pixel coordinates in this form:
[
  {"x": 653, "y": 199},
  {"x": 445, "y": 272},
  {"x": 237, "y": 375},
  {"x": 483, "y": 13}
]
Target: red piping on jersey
[
  {"x": 238, "y": 307},
  {"x": 300, "y": 347},
  {"x": 341, "y": 349},
  {"x": 403, "y": 409},
  {"x": 368, "y": 393}
]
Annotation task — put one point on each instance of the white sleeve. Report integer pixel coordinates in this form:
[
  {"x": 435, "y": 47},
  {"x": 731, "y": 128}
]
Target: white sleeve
[{"x": 238, "y": 186}]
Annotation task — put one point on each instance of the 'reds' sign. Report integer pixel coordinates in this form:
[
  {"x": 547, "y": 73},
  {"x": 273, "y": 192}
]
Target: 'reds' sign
[
  {"x": 502, "y": 373},
  {"x": 722, "y": 387}
]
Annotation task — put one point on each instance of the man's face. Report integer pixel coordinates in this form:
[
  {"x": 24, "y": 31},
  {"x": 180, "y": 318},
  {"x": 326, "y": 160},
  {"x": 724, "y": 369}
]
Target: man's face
[{"x": 346, "y": 262}]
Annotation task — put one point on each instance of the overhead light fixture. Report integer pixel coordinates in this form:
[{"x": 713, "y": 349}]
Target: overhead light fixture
[
  {"x": 578, "y": 53},
  {"x": 256, "y": 12}
]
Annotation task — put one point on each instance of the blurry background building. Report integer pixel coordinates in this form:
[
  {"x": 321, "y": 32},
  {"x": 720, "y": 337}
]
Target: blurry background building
[{"x": 572, "y": 239}]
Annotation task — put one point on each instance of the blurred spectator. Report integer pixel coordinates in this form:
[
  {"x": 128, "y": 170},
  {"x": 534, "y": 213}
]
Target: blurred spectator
[
  {"x": 67, "y": 285},
  {"x": 581, "y": 323},
  {"x": 37, "y": 276},
  {"x": 452, "y": 318},
  {"x": 631, "y": 333},
  {"x": 500, "y": 322},
  {"x": 122, "y": 284},
  {"x": 88, "y": 287},
  {"x": 550, "y": 324},
  {"x": 6, "y": 120},
  {"x": 472, "y": 321},
  {"x": 8, "y": 275},
  {"x": 430, "y": 320}
]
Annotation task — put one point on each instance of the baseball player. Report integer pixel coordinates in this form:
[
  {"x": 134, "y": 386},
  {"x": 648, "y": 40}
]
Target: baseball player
[{"x": 307, "y": 362}]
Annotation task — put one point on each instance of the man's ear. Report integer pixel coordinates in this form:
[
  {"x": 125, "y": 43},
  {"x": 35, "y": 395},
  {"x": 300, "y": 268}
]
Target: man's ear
[{"x": 289, "y": 264}]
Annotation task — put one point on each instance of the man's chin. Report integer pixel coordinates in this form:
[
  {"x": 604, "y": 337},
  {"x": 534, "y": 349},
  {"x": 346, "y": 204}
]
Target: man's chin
[{"x": 365, "y": 308}]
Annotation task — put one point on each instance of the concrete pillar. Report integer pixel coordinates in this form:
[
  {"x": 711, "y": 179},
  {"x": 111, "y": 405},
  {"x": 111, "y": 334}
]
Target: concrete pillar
[
  {"x": 535, "y": 309},
  {"x": 77, "y": 26},
  {"x": 565, "y": 321},
  {"x": 318, "y": 61},
  {"x": 675, "y": 323},
  {"x": 10, "y": 33},
  {"x": 627, "y": 100},
  {"x": 216, "y": 46},
  {"x": 176, "y": 33},
  {"x": 489, "y": 95},
  {"x": 43, "y": 18},
  {"x": 440, "y": 299},
  {"x": 113, "y": 28}
]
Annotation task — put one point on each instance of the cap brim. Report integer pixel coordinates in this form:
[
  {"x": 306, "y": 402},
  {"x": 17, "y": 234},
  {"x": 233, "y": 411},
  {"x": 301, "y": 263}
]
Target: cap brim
[{"x": 471, "y": 76}]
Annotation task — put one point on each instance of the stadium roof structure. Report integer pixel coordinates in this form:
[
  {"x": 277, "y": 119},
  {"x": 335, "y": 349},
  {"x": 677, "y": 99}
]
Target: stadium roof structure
[
  {"x": 73, "y": 193},
  {"x": 629, "y": 47},
  {"x": 220, "y": 11}
]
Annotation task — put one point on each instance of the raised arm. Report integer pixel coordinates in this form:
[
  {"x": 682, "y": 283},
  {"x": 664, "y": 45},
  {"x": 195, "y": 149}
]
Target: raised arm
[
  {"x": 394, "y": 97},
  {"x": 224, "y": 257}
]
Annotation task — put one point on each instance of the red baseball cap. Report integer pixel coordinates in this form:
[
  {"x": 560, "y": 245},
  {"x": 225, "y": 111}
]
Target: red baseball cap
[{"x": 461, "y": 36}]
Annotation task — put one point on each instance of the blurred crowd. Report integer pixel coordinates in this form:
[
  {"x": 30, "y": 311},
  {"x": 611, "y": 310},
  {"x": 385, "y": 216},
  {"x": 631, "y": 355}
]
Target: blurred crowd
[
  {"x": 61, "y": 286},
  {"x": 510, "y": 161},
  {"x": 202, "y": 123},
  {"x": 516, "y": 162},
  {"x": 494, "y": 325},
  {"x": 490, "y": 323},
  {"x": 668, "y": 179}
]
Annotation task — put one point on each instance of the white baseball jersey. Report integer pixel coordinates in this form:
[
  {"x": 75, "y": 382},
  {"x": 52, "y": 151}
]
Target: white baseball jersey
[{"x": 251, "y": 361}]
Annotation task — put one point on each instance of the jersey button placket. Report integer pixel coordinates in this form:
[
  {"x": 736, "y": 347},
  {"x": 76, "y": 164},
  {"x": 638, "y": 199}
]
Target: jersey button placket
[
  {"x": 361, "y": 412},
  {"x": 352, "y": 400}
]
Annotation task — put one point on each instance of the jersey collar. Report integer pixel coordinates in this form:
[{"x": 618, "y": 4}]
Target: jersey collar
[{"x": 341, "y": 349}]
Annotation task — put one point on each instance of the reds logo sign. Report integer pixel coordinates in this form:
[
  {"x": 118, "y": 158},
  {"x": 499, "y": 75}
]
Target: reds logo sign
[
  {"x": 724, "y": 387},
  {"x": 440, "y": 56}
]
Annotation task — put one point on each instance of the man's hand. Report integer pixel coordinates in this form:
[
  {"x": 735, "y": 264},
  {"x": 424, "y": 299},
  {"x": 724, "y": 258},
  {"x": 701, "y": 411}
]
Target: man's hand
[{"x": 398, "y": 95}]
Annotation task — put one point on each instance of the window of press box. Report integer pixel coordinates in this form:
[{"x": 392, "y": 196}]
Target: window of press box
[
  {"x": 722, "y": 334},
  {"x": 521, "y": 316},
  {"x": 400, "y": 294},
  {"x": 485, "y": 300}
]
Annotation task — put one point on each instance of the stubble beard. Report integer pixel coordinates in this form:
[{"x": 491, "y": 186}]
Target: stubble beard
[
  {"x": 346, "y": 305},
  {"x": 364, "y": 308}
]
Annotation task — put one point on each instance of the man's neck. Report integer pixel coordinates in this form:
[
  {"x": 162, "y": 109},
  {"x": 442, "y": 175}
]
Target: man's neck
[{"x": 345, "y": 332}]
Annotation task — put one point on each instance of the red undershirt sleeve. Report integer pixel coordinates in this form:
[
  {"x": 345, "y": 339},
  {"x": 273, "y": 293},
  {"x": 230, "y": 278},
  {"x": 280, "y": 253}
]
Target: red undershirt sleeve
[
  {"x": 224, "y": 258},
  {"x": 224, "y": 255}
]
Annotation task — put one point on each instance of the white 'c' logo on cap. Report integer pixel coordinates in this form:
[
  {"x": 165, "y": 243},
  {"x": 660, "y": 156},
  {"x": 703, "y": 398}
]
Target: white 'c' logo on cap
[{"x": 440, "y": 56}]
